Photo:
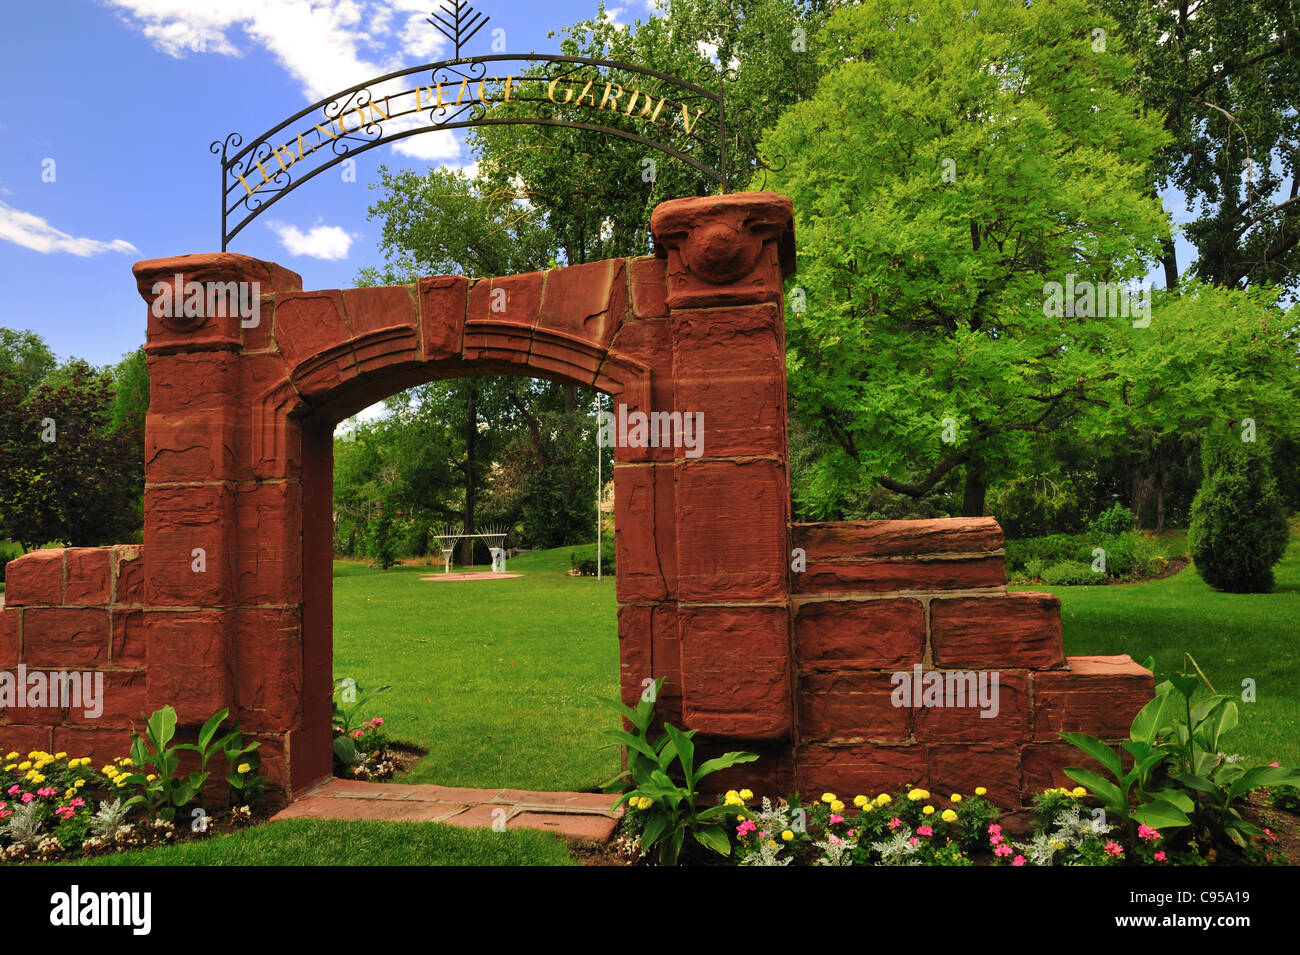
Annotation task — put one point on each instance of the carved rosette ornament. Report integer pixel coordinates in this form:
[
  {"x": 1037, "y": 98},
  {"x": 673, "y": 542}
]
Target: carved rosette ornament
[{"x": 725, "y": 250}]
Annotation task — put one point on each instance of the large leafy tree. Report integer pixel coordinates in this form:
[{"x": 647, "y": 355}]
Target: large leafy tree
[
  {"x": 952, "y": 162},
  {"x": 69, "y": 475},
  {"x": 1224, "y": 76}
]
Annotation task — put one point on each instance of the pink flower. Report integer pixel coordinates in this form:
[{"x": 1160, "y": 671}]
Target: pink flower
[
  {"x": 745, "y": 828},
  {"x": 1273, "y": 764},
  {"x": 6, "y": 813},
  {"x": 1113, "y": 849},
  {"x": 78, "y": 802},
  {"x": 1269, "y": 833},
  {"x": 65, "y": 812},
  {"x": 914, "y": 841},
  {"x": 1160, "y": 857},
  {"x": 12, "y": 790},
  {"x": 1018, "y": 860},
  {"x": 851, "y": 832},
  {"x": 894, "y": 823},
  {"x": 47, "y": 791},
  {"x": 1003, "y": 850},
  {"x": 762, "y": 834},
  {"x": 836, "y": 819},
  {"x": 378, "y": 721},
  {"x": 835, "y": 840},
  {"x": 28, "y": 797},
  {"x": 995, "y": 833},
  {"x": 925, "y": 831},
  {"x": 1146, "y": 832}
]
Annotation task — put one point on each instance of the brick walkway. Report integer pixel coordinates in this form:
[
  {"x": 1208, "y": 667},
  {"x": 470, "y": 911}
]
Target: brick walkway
[{"x": 573, "y": 815}]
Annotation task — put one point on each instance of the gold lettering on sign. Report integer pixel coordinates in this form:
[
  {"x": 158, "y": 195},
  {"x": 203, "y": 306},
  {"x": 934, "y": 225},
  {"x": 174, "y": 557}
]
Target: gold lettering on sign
[
  {"x": 550, "y": 92},
  {"x": 586, "y": 91},
  {"x": 686, "y": 117},
  {"x": 510, "y": 86},
  {"x": 375, "y": 111},
  {"x": 607, "y": 98}
]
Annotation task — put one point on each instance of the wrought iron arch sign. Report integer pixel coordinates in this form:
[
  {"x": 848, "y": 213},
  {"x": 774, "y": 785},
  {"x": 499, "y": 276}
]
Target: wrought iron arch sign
[{"x": 689, "y": 121}]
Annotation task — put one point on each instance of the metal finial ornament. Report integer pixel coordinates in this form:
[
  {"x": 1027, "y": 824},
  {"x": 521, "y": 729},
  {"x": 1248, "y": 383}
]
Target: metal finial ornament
[{"x": 464, "y": 22}]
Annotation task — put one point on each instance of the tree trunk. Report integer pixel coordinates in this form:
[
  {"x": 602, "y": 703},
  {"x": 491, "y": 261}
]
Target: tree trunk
[
  {"x": 972, "y": 498},
  {"x": 471, "y": 437},
  {"x": 570, "y": 399},
  {"x": 1160, "y": 495}
]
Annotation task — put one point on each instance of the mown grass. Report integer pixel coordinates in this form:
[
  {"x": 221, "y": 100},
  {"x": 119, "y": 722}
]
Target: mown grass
[
  {"x": 497, "y": 679},
  {"x": 357, "y": 843},
  {"x": 1234, "y": 637}
]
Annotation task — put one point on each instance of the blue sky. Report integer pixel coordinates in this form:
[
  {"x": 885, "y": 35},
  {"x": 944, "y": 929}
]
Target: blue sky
[{"x": 125, "y": 96}]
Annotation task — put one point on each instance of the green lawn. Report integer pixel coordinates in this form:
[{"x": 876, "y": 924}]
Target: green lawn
[
  {"x": 1232, "y": 636},
  {"x": 497, "y": 679},
  {"x": 357, "y": 843}
]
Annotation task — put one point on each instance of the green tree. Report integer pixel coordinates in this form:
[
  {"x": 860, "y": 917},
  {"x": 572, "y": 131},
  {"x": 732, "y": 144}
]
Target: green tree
[
  {"x": 25, "y": 357},
  {"x": 951, "y": 164},
  {"x": 1238, "y": 529}
]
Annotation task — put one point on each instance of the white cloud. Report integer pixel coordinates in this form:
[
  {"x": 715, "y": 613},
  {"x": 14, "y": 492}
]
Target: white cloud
[
  {"x": 325, "y": 45},
  {"x": 329, "y": 242},
  {"x": 612, "y": 14},
  {"x": 32, "y": 232}
]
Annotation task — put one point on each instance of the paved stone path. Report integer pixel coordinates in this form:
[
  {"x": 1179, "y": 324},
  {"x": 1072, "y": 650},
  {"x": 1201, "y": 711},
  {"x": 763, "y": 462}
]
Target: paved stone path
[{"x": 573, "y": 815}]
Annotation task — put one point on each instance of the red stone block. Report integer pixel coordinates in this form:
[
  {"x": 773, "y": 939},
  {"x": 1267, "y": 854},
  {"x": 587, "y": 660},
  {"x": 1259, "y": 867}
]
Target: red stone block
[
  {"x": 56, "y": 638},
  {"x": 190, "y": 446},
  {"x": 129, "y": 647},
  {"x": 729, "y": 366},
  {"x": 88, "y": 577},
  {"x": 101, "y": 742},
  {"x": 725, "y": 249},
  {"x": 25, "y": 737},
  {"x": 736, "y": 671},
  {"x": 309, "y": 323},
  {"x": 1004, "y": 630},
  {"x": 1097, "y": 695},
  {"x": 666, "y": 649},
  {"x": 859, "y": 634},
  {"x": 268, "y": 568},
  {"x": 1009, "y": 706},
  {"x": 771, "y": 775},
  {"x": 384, "y": 307},
  {"x": 513, "y": 300},
  {"x": 731, "y": 530},
  {"x": 962, "y": 769},
  {"x": 855, "y": 540},
  {"x": 9, "y": 645},
  {"x": 442, "y": 315},
  {"x": 35, "y": 578},
  {"x": 648, "y": 285},
  {"x": 850, "y": 771},
  {"x": 898, "y": 576},
  {"x": 125, "y": 698},
  {"x": 646, "y": 558},
  {"x": 635, "y": 651},
  {"x": 189, "y": 662},
  {"x": 128, "y": 574},
  {"x": 1042, "y": 766},
  {"x": 586, "y": 301},
  {"x": 268, "y": 651},
  {"x": 192, "y": 382},
  {"x": 179, "y": 521},
  {"x": 850, "y": 707}
]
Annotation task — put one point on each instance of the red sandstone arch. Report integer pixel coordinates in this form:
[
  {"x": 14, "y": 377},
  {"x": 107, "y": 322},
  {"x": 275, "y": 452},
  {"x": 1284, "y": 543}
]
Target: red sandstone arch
[{"x": 239, "y": 444}]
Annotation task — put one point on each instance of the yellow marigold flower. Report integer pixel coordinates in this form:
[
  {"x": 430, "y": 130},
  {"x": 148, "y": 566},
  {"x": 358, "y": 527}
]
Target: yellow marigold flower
[
  {"x": 1078, "y": 792},
  {"x": 25, "y": 765},
  {"x": 126, "y": 761},
  {"x": 108, "y": 770},
  {"x": 38, "y": 779},
  {"x": 928, "y": 810},
  {"x": 78, "y": 784},
  {"x": 732, "y": 794},
  {"x": 33, "y": 754},
  {"x": 11, "y": 767},
  {"x": 1058, "y": 844},
  {"x": 243, "y": 768},
  {"x": 883, "y": 799},
  {"x": 13, "y": 755},
  {"x": 772, "y": 844},
  {"x": 741, "y": 817},
  {"x": 150, "y": 778},
  {"x": 837, "y": 806},
  {"x": 828, "y": 798},
  {"x": 980, "y": 790},
  {"x": 949, "y": 816},
  {"x": 120, "y": 780},
  {"x": 733, "y": 799},
  {"x": 955, "y": 797},
  {"x": 916, "y": 795},
  {"x": 787, "y": 835},
  {"x": 746, "y": 794},
  {"x": 860, "y": 801},
  {"x": 69, "y": 793},
  {"x": 60, "y": 755}
]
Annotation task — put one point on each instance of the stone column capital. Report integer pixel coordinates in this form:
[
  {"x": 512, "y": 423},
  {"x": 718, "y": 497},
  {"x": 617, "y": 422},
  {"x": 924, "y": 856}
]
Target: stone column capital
[{"x": 725, "y": 250}]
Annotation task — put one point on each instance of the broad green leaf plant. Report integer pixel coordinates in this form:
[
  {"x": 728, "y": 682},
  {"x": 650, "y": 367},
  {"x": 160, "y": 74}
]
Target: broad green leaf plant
[{"x": 667, "y": 795}]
